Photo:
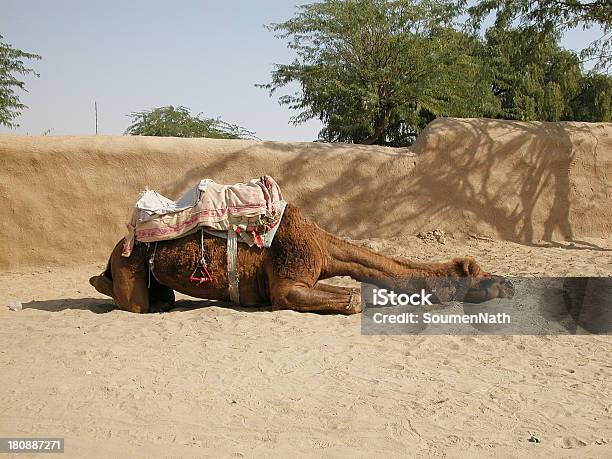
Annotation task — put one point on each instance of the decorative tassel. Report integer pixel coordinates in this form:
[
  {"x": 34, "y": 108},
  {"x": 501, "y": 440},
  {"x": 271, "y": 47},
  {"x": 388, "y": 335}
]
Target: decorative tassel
[{"x": 201, "y": 274}]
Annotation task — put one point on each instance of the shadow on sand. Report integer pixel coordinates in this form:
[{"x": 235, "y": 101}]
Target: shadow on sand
[
  {"x": 574, "y": 244},
  {"x": 103, "y": 306}
]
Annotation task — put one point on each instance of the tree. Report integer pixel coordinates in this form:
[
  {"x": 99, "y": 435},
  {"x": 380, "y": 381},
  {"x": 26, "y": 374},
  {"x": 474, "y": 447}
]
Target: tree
[
  {"x": 178, "y": 122},
  {"x": 12, "y": 67},
  {"x": 552, "y": 16},
  {"x": 376, "y": 71},
  {"x": 532, "y": 77},
  {"x": 594, "y": 100}
]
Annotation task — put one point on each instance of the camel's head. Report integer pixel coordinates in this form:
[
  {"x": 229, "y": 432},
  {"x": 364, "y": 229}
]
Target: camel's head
[
  {"x": 483, "y": 286},
  {"x": 465, "y": 281},
  {"x": 467, "y": 267}
]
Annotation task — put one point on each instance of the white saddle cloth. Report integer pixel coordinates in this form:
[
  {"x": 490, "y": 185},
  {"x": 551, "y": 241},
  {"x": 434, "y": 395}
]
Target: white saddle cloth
[
  {"x": 152, "y": 203},
  {"x": 252, "y": 209}
]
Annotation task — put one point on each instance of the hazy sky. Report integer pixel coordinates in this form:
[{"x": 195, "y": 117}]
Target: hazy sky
[{"x": 135, "y": 55}]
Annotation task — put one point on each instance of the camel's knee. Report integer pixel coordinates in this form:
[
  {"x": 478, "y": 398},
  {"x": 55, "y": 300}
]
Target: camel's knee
[
  {"x": 138, "y": 308},
  {"x": 280, "y": 299},
  {"x": 287, "y": 295}
]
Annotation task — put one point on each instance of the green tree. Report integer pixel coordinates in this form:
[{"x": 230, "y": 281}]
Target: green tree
[
  {"x": 12, "y": 69},
  {"x": 551, "y": 16},
  {"x": 376, "y": 71},
  {"x": 178, "y": 122},
  {"x": 594, "y": 100},
  {"x": 531, "y": 76}
]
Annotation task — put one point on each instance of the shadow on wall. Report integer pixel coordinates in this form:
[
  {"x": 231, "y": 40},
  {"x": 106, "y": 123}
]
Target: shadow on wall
[
  {"x": 515, "y": 182},
  {"x": 511, "y": 180},
  {"x": 347, "y": 196}
]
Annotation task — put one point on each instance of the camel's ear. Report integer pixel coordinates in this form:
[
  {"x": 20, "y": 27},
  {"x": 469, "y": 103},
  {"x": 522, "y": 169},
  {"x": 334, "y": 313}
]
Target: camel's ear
[{"x": 469, "y": 267}]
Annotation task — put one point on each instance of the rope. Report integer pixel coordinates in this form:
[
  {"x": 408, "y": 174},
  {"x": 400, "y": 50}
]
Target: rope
[
  {"x": 152, "y": 264},
  {"x": 203, "y": 275}
]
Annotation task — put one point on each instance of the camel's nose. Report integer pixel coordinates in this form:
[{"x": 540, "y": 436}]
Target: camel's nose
[{"x": 490, "y": 288}]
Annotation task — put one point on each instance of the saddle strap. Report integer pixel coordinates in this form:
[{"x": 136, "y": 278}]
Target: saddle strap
[{"x": 232, "y": 262}]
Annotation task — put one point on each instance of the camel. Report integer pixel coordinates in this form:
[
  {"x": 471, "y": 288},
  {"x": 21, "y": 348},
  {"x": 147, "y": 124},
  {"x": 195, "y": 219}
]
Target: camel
[{"x": 285, "y": 276}]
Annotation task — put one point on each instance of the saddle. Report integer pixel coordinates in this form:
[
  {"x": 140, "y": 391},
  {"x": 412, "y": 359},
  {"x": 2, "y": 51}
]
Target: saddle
[{"x": 251, "y": 210}]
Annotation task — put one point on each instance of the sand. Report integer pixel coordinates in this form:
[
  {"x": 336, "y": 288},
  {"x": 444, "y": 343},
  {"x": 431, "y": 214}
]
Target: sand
[
  {"x": 206, "y": 380},
  {"x": 209, "y": 380}
]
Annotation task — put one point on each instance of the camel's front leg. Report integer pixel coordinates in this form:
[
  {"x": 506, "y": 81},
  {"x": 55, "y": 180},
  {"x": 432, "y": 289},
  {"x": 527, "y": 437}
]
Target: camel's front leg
[{"x": 288, "y": 294}]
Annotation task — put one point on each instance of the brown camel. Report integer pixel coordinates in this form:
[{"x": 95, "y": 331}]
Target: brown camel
[{"x": 285, "y": 275}]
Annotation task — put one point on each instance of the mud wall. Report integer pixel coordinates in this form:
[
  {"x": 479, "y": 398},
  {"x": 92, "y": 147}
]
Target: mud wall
[{"x": 66, "y": 199}]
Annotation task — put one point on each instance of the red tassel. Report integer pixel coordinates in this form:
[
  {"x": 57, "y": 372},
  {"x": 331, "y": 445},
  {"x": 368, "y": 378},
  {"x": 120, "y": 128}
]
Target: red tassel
[{"x": 201, "y": 274}]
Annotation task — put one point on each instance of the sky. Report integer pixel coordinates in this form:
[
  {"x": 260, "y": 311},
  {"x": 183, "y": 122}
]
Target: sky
[{"x": 135, "y": 55}]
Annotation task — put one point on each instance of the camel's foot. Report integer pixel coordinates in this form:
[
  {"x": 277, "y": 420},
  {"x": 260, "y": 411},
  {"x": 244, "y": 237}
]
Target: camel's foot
[
  {"x": 102, "y": 284},
  {"x": 489, "y": 288},
  {"x": 161, "y": 298},
  {"x": 320, "y": 298},
  {"x": 353, "y": 304}
]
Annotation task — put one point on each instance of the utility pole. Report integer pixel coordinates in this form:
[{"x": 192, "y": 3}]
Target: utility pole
[{"x": 96, "y": 110}]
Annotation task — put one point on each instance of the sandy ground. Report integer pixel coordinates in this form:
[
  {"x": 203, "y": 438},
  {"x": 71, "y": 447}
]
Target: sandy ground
[{"x": 216, "y": 381}]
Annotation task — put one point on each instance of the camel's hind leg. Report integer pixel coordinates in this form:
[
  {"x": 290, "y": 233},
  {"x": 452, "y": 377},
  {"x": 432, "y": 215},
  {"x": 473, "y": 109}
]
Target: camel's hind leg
[
  {"x": 293, "y": 295},
  {"x": 161, "y": 298}
]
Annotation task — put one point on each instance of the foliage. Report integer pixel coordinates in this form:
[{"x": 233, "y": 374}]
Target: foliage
[
  {"x": 594, "y": 100},
  {"x": 532, "y": 77},
  {"x": 376, "y": 72},
  {"x": 552, "y": 16},
  {"x": 535, "y": 79},
  {"x": 178, "y": 122},
  {"x": 12, "y": 67}
]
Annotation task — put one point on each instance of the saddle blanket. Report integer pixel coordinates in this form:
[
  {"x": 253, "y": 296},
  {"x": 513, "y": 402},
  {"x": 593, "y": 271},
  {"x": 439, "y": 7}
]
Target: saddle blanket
[{"x": 253, "y": 210}]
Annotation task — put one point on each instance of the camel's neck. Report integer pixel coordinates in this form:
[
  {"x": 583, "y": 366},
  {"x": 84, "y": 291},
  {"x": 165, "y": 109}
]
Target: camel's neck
[{"x": 362, "y": 264}]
